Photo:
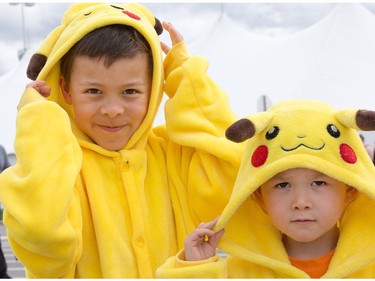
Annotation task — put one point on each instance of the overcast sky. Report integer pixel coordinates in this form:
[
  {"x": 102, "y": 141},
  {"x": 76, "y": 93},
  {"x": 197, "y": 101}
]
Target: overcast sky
[{"x": 276, "y": 19}]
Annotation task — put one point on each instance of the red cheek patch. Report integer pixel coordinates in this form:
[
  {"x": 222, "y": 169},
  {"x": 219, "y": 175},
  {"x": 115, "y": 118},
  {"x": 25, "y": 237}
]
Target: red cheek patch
[
  {"x": 348, "y": 154},
  {"x": 259, "y": 156},
  {"x": 133, "y": 16}
]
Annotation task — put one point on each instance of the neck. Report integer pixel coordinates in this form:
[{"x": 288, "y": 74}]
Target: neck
[{"x": 312, "y": 249}]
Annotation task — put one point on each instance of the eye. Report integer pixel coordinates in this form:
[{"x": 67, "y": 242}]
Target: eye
[
  {"x": 116, "y": 7},
  {"x": 272, "y": 133},
  {"x": 282, "y": 185},
  {"x": 130, "y": 92},
  {"x": 333, "y": 131},
  {"x": 92, "y": 91},
  {"x": 318, "y": 183}
]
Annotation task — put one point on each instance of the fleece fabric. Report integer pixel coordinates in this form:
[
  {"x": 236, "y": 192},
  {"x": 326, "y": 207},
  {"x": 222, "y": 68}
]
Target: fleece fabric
[
  {"x": 293, "y": 134},
  {"x": 76, "y": 210}
]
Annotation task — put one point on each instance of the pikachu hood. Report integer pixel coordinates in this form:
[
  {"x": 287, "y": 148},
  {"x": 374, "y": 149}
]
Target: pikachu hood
[
  {"x": 301, "y": 134},
  {"x": 79, "y": 20}
]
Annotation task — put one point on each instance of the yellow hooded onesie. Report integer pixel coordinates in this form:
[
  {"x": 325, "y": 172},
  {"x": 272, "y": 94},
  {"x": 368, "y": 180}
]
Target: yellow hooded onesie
[
  {"x": 74, "y": 209},
  {"x": 293, "y": 134}
]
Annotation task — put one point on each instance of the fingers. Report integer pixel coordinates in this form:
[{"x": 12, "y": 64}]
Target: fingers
[
  {"x": 165, "y": 48},
  {"x": 45, "y": 91},
  {"x": 176, "y": 37},
  {"x": 201, "y": 234},
  {"x": 215, "y": 238},
  {"x": 204, "y": 232},
  {"x": 202, "y": 242},
  {"x": 209, "y": 224},
  {"x": 41, "y": 87},
  {"x": 198, "y": 236}
]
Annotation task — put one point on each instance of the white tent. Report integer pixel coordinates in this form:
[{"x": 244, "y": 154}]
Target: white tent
[
  {"x": 332, "y": 60},
  {"x": 12, "y": 85}
]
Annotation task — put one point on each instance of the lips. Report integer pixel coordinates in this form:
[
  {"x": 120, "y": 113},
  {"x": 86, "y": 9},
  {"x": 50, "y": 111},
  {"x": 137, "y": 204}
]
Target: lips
[
  {"x": 303, "y": 221},
  {"x": 111, "y": 128}
]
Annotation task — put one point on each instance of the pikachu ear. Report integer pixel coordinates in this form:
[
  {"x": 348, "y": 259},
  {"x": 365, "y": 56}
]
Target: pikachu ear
[
  {"x": 158, "y": 26},
  {"x": 39, "y": 59},
  {"x": 36, "y": 64},
  {"x": 363, "y": 120},
  {"x": 366, "y": 120},
  {"x": 246, "y": 128},
  {"x": 240, "y": 130},
  {"x": 153, "y": 20}
]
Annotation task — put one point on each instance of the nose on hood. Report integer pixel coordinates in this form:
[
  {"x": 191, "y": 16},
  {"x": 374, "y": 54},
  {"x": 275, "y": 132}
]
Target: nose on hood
[
  {"x": 79, "y": 20},
  {"x": 294, "y": 134}
]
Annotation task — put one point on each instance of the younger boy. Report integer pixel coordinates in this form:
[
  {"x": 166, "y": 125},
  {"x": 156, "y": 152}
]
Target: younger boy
[
  {"x": 96, "y": 191},
  {"x": 302, "y": 205}
]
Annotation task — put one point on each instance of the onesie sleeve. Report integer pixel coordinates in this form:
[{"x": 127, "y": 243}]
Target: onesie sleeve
[
  {"x": 176, "y": 267},
  {"x": 42, "y": 215},
  {"x": 175, "y": 58},
  {"x": 203, "y": 162}
]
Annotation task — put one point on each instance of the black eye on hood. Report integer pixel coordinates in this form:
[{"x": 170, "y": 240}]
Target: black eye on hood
[
  {"x": 116, "y": 7},
  {"x": 333, "y": 130},
  {"x": 272, "y": 133}
]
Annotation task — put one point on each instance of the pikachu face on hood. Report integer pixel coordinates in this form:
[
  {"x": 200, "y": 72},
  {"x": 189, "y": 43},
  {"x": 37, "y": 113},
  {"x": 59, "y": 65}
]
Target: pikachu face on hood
[
  {"x": 79, "y": 20},
  {"x": 295, "y": 134}
]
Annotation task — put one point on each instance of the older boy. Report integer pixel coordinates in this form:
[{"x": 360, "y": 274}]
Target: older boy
[{"x": 96, "y": 191}]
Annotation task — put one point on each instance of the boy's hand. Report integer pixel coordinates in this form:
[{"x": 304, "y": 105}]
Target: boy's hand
[
  {"x": 41, "y": 87},
  {"x": 201, "y": 244},
  {"x": 176, "y": 36}
]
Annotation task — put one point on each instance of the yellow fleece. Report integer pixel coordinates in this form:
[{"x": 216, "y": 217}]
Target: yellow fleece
[
  {"x": 74, "y": 209},
  {"x": 292, "y": 134}
]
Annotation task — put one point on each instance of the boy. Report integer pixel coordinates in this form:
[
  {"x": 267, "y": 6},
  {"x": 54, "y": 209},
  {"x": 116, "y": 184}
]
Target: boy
[
  {"x": 302, "y": 205},
  {"x": 96, "y": 192}
]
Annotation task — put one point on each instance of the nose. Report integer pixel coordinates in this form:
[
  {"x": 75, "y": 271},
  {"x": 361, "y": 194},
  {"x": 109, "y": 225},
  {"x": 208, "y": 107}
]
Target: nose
[
  {"x": 112, "y": 108},
  {"x": 301, "y": 199}
]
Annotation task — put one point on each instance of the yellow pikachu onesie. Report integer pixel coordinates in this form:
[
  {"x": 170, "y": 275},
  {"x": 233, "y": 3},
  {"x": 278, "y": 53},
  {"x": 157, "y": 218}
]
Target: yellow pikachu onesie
[
  {"x": 293, "y": 134},
  {"x": 76, "y": 210}
]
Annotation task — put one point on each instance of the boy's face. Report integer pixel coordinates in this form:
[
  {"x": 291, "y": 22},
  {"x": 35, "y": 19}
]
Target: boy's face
[
  {"x": 305, "y": 204},
  {"x": 109, "y": 104}
]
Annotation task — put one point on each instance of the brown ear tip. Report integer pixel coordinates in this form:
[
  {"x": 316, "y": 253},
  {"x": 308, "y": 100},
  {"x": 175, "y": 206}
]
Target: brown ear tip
[
  {"x": 36, "y": 64},
  {"x": 365, "y": 120},
  {"x": 158, "y": 26},
  {"x": 240, "y": 131}
]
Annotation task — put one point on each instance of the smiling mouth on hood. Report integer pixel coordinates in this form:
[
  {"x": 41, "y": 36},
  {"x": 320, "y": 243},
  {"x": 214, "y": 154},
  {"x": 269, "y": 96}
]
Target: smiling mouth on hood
[{"x": 304, "y": 145}]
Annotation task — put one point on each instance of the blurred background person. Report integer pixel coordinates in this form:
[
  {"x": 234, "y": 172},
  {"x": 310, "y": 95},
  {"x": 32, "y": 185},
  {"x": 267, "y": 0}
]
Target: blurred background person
[
  {"x": 369, "y": 148},
  {"x": 4, "y": 163}
]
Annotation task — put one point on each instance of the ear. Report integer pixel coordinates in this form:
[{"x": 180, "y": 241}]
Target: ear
[
  {"x": 158, "y": 26},
  {"x": 351, "y": 195},
  {"x": 36, "y": 64},
  {"x": 246, "y": 128},
  {"x": 366, "y": 120},
  {"x": 65, "y": 91},
  {"x": 257, "y": 195},
  {"x": 363, "y": 120},
  {"x": 240, "y": 131}
]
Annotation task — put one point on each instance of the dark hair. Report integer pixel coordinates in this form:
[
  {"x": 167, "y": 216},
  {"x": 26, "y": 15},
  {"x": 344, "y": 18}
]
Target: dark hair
[{"x": 109, "y": 42}]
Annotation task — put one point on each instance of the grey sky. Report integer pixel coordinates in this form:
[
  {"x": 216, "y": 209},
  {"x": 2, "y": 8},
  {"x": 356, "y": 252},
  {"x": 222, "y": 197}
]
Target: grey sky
[{"x": 276, "y": 19}]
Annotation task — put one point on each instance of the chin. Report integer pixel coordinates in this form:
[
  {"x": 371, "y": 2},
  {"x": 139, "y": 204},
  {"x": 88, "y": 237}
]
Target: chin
[{"x": 112, "y": 146}]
